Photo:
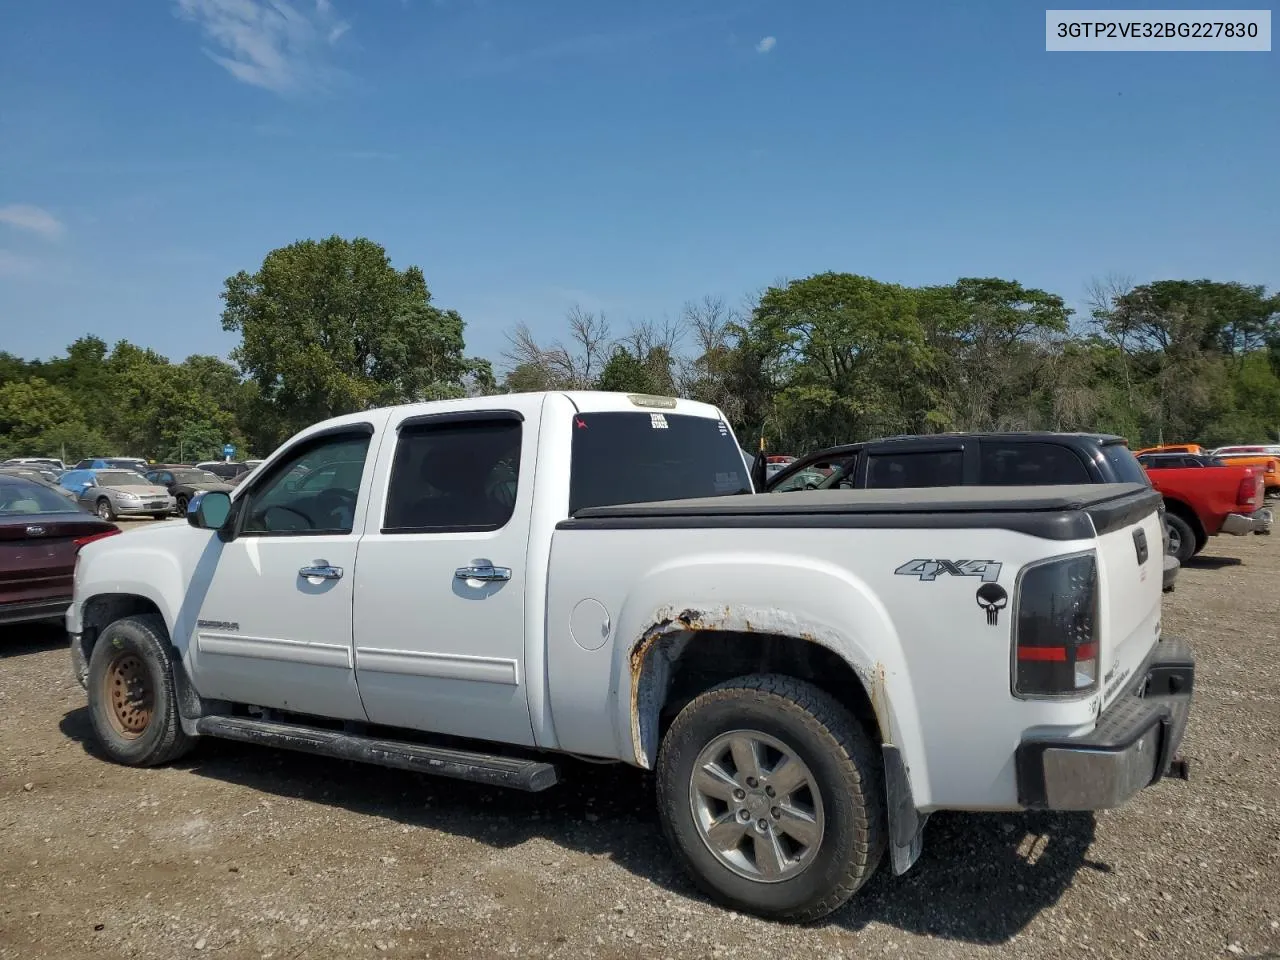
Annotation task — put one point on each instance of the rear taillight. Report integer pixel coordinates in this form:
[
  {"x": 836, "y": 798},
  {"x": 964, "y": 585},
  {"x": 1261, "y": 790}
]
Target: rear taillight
[
  {"x": 1250, "y": 491},
  {"x": 1055, "y": 638},
  {"x": 81, "y": 541}
]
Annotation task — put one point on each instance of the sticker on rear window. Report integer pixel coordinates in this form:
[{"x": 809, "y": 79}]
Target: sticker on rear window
[{"x": 658, "y": 421}]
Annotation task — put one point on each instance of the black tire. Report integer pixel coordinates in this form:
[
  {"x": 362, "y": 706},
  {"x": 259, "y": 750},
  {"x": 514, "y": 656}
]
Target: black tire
[
  {"x": 104, "y": 510},
  {"x": 1182, "y": 539},
  {"x": 847, "y": 772},
  {"x": 129, "y": 650},
  {"x": 181, "y": 506}
]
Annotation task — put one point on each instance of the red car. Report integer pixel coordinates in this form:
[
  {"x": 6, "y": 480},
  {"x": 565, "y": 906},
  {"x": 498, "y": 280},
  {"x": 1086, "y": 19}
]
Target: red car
[
  {"x": 41, "y": 532},
  {"x": 1204, "y": 501}
]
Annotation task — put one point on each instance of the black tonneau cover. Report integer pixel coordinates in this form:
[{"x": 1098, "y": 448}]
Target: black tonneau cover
[{"x": 1059, "y": 513}]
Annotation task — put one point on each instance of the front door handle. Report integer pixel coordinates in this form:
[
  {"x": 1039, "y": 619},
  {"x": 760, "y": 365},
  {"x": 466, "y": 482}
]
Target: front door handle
[
  {"x": 483, "y": 570},
  {"x": 321, "y": 570}
]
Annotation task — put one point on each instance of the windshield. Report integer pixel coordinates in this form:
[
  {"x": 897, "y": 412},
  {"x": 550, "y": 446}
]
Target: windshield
[
  {"x": 195, "y": 476},
  {"x": 121, "y": 478},
  {"x": 641, "y": 457},
  {"x": 19, "y": 496}
]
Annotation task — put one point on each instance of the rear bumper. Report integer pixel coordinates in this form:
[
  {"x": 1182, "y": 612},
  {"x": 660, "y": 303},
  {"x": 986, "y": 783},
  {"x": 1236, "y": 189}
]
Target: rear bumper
[
  {"x": 29, "y": 610},
  {"x": 1239, "y": 524},
  {"x": 144, "y": 509},
  {"x": 1133, "y": 744}
]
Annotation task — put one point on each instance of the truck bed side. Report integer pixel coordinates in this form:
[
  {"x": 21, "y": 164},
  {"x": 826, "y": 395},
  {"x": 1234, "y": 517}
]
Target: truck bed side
[{"x": 632, "y": 587}]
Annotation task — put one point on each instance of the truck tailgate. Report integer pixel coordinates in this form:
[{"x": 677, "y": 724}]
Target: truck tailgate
[{"x": 1130, "y": 560}]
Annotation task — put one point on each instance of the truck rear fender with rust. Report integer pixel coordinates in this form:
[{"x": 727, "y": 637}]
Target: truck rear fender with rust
[{"x": 797, "y": 597}]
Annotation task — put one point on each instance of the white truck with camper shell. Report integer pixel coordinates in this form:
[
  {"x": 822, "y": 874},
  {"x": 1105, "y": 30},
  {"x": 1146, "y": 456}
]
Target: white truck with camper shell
[{"x": 809, "y": 675}]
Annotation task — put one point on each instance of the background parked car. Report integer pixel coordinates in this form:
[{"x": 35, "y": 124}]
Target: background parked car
[
  {"x": 185, "y": 482},
  {"x": 45, "y": 478},
  {"x": 231, "y": 471},
  {"x": 1172, "y": 448},
  {"x": 116, "y": 463},
  {"x": 52, "y": 463},
  {"x": 1168, "y": 460},
  {"x": 1266, "y": 464},
  {"x": 975, "y": 459},
  {"x": 1202, "y": 502},
  {"x": 124, "y": 493},
  {"x": 1263, "y": 449},
  {"x": 40, "y": 535}
]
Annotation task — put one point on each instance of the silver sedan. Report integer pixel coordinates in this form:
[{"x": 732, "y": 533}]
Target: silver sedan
[{"x": 123, "y": 493}]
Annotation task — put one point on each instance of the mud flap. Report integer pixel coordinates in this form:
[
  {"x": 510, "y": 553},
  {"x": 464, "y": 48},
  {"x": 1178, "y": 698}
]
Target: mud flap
[{"x": 906, "y": 824}]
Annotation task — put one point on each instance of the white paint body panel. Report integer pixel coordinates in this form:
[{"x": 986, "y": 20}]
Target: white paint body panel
[
  {"x": 398, "y": 641},
  {"x": 434, "y": 652}
]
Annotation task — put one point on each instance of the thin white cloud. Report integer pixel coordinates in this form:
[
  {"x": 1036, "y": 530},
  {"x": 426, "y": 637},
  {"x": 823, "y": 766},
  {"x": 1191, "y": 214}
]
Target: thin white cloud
[
  {"x": 766, "y": 44},
  {"x": 273, "y": 44},
  {"x": 26, "y": 217}
]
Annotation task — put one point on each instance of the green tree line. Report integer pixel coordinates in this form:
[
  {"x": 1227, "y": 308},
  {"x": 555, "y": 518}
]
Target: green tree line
[
  {"x": 838, "y": 357},
  {"x": 330, "y": 326}
]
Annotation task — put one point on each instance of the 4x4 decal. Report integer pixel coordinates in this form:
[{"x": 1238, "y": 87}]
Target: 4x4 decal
[{"x": 988, "y": 570}]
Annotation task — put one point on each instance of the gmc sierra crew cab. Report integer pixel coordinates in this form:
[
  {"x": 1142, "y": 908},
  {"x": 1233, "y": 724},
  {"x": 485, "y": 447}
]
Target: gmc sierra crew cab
[{"x": 478, "y": 588}]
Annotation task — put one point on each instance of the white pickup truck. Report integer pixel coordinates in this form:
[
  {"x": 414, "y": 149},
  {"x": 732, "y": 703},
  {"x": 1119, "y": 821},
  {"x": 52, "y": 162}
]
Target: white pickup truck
[{"x": 809, "y": 675}]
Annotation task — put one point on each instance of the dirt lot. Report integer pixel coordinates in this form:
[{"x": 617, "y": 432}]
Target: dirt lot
[{"x": 245, "y": 852}]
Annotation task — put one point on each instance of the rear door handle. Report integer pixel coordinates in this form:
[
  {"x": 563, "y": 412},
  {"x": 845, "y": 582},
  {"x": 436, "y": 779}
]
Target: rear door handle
[
  {"x": 321, "y": 570},
  {"x": 482, "y": 570}
]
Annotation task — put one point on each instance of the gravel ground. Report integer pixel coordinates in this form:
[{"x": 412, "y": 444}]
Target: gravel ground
[{"x": 243, "y": 852}]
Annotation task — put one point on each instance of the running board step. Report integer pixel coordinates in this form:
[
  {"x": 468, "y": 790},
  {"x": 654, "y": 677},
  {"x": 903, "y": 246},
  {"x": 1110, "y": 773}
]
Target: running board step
[{"x": 495, "y": 770}]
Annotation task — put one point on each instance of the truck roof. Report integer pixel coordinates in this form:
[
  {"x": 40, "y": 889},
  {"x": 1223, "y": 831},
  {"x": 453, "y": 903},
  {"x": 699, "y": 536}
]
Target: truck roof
[{"x": 586, "y": 401}]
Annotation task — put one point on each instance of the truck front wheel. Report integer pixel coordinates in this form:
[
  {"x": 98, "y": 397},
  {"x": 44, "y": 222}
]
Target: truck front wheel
[
  {"x": 772, "y": 795},
  {"x": 132, "y": 700}
]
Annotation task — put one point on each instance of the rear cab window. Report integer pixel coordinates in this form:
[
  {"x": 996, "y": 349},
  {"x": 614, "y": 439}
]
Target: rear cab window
[{"x": 639, "y": 457}]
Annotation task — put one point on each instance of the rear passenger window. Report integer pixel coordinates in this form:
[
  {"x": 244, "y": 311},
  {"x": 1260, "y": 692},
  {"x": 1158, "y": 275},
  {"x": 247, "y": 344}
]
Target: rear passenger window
[
  {"x": 924, "y": 468},
  {"x": 454, "y": 476},
  {"x": 1030, "y": 464}
]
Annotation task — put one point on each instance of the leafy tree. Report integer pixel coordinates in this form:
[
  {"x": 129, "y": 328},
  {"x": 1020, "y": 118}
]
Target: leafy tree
[
  {"x": 842, "y": 352},
  {"x": 38, "y": 419},
  {"x": 989, "y": 343},
  {"x": 330, "y": 327}
]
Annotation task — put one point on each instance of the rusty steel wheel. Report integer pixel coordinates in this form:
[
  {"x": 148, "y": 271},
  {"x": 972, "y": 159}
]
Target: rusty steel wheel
[
  {"x": 127, "y": 688},
  {"x": 133, "y": 693}
]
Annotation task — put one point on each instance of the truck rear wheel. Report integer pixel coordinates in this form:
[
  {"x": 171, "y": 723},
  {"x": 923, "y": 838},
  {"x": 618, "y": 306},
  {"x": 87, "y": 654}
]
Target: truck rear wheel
[
  {"x": 772, "y": 795},
  {"x": 132, "y": 700},
  {"x": 1182, "y": 539}
]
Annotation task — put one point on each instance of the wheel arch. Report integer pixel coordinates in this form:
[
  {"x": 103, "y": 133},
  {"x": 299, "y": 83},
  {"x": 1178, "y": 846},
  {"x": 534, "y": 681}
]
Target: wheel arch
[
  {"x": 1183, "y": 510},
  {"x": 685, "y": 652},
  {"x": 100, "y": 611}
]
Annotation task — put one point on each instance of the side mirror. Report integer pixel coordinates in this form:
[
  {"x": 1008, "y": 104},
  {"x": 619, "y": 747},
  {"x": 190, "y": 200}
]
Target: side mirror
[{"x": 209, "y": 511}]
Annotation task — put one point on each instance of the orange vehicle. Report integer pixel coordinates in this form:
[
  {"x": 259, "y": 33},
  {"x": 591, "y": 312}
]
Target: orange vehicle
[
  {"x": 1172, "y": 448},
  {"x": 1269, "y": 465}
]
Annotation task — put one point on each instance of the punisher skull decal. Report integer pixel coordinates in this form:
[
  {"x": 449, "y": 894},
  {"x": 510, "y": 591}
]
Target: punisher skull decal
[{"x": 992, "y": 598}]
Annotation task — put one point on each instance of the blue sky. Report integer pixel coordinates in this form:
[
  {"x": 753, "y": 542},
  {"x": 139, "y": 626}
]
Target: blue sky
[{"x": 530, "y": 154}]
